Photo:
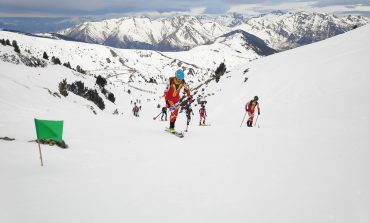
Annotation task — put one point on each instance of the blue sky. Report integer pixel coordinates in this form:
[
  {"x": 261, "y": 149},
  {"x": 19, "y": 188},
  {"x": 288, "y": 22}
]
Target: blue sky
[{"x": 158, "y": 8}]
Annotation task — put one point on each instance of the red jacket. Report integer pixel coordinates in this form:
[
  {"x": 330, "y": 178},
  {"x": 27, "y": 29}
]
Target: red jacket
[
  {"x": 135, "y": 109},
  {"x": 172, "y": 92},
  {"x": 251, "y": 106},
  {"x": 202, "y": 112}
]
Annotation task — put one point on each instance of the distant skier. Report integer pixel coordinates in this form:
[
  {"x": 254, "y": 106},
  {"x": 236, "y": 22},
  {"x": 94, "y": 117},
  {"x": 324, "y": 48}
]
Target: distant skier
[
  {"x": 164, "y": 113},
  {"x": 203, "y": 115},
  {"x": 172, "y": 96},
  {"x": 250, "y": 107},
  {"x": 135, "y": 110},
  {"x": 189, "y": 113}
]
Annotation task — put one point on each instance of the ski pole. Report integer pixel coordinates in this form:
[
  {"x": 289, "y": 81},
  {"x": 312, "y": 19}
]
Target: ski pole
[
  {"x": 255, "y": 123},
  {"x": 243, "y": 119},
  {"x": 154, "y": 118}
]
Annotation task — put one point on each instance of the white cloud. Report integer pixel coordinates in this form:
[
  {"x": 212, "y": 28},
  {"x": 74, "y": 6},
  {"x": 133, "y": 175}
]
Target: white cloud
[
  {"x": 165, "y": 8},
  {"x": 151, "y": 14}
]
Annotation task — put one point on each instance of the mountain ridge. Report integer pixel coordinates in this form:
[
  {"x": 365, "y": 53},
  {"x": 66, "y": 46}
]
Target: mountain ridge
[{"x": 279, "y": 30}]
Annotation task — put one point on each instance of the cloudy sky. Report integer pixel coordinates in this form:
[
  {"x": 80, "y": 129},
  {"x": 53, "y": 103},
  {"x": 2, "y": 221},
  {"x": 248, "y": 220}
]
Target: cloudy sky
[{"x": 161, "y": 8}]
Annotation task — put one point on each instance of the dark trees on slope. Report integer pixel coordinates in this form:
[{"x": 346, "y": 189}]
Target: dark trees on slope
[
  {"x": 80, "y": 70},
  {"x": 101, "y": 81},
  {"x": 220, "y": 71},
  {"x": 111, "y": 97},
  {"x": 45, "y": 56},
  {"x": 78, "y": 88},
  {"x": 16, "y": 47},
  {"x": 56, "y": 60},
  {"x": 63, "y": 88}
]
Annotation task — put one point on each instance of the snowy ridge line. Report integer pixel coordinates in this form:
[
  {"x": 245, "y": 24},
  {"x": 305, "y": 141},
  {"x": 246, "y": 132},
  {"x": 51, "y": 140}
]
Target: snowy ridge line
[
  {"x": 142, "y": 90},
  {"x": 280, "y": 31},
  {"x": 193, "y": 65}
]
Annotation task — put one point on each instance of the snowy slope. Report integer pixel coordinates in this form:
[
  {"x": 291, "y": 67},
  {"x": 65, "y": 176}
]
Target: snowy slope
[
  {"x": 308, "y": 161},
  {"x": 309, "y": 80},
  {"x": 233, "y": 49},
  {"x": 119, "y": 65}
]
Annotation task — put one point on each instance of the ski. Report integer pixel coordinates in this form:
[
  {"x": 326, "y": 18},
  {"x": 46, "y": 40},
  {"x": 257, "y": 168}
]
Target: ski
[
  {"x": 178, "y": 134},
  {"x": 205, "y": 125}
]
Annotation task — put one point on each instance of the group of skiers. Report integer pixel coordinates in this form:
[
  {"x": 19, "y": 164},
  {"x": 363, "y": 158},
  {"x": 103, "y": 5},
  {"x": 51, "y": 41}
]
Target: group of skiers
[
  {"x": 189, "y": 112},
  {"x": 136, "y": 109},
  {"x": 172, "y": 99}
]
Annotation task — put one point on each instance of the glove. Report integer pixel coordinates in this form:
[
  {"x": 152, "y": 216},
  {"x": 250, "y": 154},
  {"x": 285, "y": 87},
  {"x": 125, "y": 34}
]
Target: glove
[
  {"x": 172, "y": 108},
  {"x": 169, "y": 103},
  {"x": 190, "y": 100}
]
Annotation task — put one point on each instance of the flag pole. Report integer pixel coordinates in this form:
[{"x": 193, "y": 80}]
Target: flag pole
[{"x": 42, "y": 164}]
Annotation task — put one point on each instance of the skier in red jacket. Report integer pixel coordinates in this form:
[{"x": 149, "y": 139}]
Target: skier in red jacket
[
  {"x": 203, "y": 115},
  {"x": 172, "y": 96},
  {"x": 250, "y": 107}
]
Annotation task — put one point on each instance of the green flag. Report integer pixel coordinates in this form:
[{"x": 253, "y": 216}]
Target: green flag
[{"x": 46, "y": 129}]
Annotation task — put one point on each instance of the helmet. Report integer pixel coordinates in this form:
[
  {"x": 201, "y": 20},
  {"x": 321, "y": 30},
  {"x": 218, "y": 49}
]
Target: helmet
[
  {"x": 180, "y": 74},
  {"x": 256, "y": 98}
]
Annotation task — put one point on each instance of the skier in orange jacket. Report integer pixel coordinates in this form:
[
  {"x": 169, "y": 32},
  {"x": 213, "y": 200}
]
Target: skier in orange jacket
[
  {"x": 250, "y": 107},
  {"x": 172, "y": 96}
]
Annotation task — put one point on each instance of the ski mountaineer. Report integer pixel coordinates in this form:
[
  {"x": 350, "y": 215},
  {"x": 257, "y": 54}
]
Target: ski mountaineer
[
  {"x": 172, "y": 96},
  {"x": 189, "y": 112},
  {"x": 135, "y": 110},
  {"x": 203, "y": 115},
  {"x": 250, "y": 107},
  {"x": 164, "y": 113}
]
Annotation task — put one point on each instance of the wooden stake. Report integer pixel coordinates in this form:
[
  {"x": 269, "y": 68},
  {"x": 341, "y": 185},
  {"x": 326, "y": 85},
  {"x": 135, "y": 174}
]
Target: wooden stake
[{"x": 42, "y": 164}]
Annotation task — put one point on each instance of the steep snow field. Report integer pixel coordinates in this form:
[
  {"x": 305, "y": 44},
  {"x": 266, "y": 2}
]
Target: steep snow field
[{"x": 308, "y": 161}]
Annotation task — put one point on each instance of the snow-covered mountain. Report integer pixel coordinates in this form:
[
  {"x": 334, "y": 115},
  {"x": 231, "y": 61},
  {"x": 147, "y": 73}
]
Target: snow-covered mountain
[
  {"x": 307, "y": 162},
  {"x": 227, "y": 20},
  {"x": 280, "y": 31},
  {"x": 180, "y": 32},
  {"x": 234, "y": 48},
  {"x": 283, "y": 31}
]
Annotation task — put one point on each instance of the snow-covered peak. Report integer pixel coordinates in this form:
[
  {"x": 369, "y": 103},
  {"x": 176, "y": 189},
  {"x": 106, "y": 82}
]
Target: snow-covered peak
[
  {"x": 280, "y": 30},
  {"x": 179, "y": 32},
  {"x": 288, "y": 30}
]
